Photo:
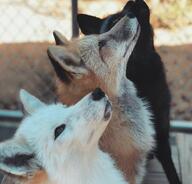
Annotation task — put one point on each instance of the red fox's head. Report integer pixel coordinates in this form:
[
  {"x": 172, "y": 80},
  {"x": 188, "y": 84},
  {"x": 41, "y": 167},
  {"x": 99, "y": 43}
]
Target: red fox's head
[{"x": 94, "y": 60}]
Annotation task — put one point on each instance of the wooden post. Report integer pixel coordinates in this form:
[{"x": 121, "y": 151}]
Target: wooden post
[{"x": 75, "y": 27}]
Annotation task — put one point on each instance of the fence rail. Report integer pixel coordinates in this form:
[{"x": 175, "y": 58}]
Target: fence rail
[{"x": 177, "y": 126}]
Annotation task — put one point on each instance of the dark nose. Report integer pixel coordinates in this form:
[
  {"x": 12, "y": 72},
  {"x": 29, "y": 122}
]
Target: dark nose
[{"x": 98, "y": 94}]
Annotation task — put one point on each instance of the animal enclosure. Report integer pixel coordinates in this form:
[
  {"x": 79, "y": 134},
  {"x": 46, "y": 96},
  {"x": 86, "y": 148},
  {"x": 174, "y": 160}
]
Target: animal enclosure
[{"x": 26, "y": 32}]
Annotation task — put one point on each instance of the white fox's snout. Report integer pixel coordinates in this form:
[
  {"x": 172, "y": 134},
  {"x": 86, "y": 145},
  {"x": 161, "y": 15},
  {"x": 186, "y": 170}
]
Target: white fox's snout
[
  {"x": 53, "y": 135},
  {"x": 99, "y": 95}
]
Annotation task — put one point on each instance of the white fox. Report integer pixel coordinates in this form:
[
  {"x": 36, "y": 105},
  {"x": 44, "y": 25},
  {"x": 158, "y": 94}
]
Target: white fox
[{"x": 62, "y": 142}]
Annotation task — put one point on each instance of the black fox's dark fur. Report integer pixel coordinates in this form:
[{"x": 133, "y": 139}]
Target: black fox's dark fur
[{"x": 146, "y": 70}]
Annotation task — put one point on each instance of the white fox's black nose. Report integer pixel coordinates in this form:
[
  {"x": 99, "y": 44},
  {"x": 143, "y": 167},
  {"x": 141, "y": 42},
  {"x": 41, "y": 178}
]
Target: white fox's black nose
[{"x": 98, "y": 94}]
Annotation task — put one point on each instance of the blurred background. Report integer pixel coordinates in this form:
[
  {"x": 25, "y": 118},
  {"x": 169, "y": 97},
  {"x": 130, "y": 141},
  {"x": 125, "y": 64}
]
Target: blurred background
[
  {"x": 26, "y": 31},
  {"x": 26, "y": 28}
]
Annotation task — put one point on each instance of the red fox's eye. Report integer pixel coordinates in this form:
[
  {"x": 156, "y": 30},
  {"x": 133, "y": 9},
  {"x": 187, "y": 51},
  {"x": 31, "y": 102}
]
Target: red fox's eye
[
  {"x": 59, "y": 130},
  {"x": 116, "y": 20},
  {"x": 101, "y": 44}
]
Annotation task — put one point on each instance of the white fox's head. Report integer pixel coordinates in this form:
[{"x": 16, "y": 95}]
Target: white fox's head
[{"x": 52, "y": 134}]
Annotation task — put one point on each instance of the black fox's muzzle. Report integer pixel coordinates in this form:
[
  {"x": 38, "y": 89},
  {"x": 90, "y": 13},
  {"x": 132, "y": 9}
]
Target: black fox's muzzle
[{"x": 130, "y": 14}]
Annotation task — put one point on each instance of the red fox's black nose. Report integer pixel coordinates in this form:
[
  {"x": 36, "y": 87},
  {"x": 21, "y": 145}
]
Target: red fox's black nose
[{"x": 98, "y": 94}]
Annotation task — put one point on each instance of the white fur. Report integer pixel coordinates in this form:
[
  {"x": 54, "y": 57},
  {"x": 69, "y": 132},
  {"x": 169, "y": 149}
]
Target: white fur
[
  {"x": 30, "y": 103},
  {"x": 74, "y": 157}
]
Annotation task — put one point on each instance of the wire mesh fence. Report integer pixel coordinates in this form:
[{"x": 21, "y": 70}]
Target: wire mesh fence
[{"x": 26, "y": 31}]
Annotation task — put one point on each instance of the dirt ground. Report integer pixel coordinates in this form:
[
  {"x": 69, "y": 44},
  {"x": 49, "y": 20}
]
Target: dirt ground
[
  {"x": 32, "y": 70},
  {"x": 25, "y": 66},
  {"x": 178, "y": 64}
]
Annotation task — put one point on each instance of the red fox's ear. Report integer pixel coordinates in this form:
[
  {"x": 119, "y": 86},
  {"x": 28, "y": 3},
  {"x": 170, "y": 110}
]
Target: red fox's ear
[
  {"x": 60, "y": 39},
  {"x": 17, "y": 159},
  {"x": 67, "y": 60}
]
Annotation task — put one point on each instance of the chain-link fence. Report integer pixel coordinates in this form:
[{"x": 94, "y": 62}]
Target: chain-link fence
[{"x": 26, "y": 28}]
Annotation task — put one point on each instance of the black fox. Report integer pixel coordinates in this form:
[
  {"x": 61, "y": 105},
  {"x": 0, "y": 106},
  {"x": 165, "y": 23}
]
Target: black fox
[{"x": 146, "y": 70}]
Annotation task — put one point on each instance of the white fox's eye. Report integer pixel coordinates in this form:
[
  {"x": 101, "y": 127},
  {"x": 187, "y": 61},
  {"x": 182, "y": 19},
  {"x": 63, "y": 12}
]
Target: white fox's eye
[{"x": 59, "y": 130}]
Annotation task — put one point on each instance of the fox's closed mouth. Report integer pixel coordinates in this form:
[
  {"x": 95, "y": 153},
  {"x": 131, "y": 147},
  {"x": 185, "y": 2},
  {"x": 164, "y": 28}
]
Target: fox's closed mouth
[{"x": 108, "y": 111}]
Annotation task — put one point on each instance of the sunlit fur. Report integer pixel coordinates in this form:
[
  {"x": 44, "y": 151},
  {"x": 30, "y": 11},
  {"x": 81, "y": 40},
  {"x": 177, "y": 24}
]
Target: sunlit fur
[
  {"x": 73, "y": 157},
  {"x": 129, "y": 136}
]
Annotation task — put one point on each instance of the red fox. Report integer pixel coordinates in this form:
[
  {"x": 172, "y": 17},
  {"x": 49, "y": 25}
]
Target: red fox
[{"x": 101, "y": 60}]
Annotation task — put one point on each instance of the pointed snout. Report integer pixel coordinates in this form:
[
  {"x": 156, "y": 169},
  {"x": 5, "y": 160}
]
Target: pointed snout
[
  {"x": 125, "y": 28},
  {"x": 97, "y": 94},
  {"x": 130, "y": 14}
]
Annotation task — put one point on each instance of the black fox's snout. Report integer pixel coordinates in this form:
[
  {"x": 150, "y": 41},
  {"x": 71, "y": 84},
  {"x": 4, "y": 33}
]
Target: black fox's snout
[
  {"x": 130, "y": 14},
  {"x": 98, "y": 94},
  {"x": 126, "y": 12}
]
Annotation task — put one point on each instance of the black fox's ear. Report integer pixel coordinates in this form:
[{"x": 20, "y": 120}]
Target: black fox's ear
[
  {"x": 89, "y": 24},
  {"x": 17, "y": 159},
  {"x": 128, "y": 5},
  {"x": 59, "y": 38},
  {"x": 142, "y": 11},
  {"x": 66, "y": 62}
]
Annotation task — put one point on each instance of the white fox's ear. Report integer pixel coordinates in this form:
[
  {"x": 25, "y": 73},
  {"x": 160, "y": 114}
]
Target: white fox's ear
[
  {"x": 30, "y": 102},
  {"x": 17, "y": 159}
]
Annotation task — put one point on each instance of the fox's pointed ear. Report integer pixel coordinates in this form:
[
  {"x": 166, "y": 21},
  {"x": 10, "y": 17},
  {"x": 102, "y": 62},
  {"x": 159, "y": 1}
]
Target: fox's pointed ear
[
  {"x": 68, "y": 61},
  {"x": 60, "y": 39},
  {"x": 17, "y": 159},
  {"x": 89, "y": 24},
  {"x": 30, "y": 102},
  {"x": 128, "y": 5}
]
